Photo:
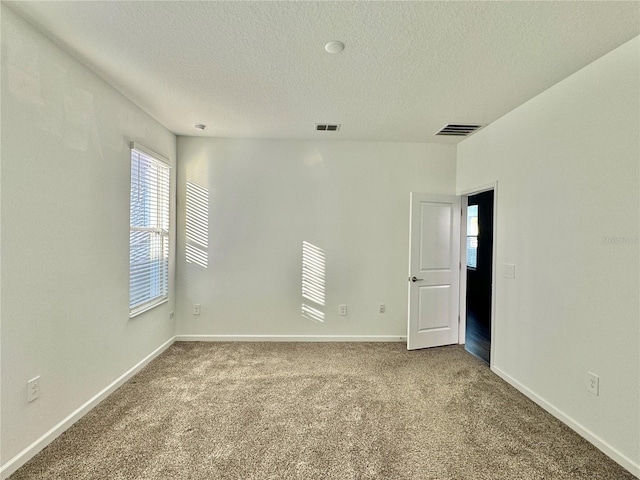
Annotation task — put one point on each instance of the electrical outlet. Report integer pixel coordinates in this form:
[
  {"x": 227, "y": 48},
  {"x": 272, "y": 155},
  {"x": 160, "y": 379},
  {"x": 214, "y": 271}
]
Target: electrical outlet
[
  {"x": 33, "y": 389},
  {"x": 343, "y": 310},
  {"x": 171, "y": 315},
  {"x": 382, "y": 308},
  {"x": 196, "y": 309},
  {"x": 593, "y": 383}
]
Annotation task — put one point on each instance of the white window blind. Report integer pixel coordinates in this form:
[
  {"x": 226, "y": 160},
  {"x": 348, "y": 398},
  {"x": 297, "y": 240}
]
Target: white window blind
[{"x": 149, "y": 231}]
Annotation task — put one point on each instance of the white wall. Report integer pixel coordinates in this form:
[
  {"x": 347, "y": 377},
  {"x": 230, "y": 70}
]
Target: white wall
[
  {"x": 567, "y": 165},
  {"x": 65, "y": 214},
  {"x": 350, "y": 199}
]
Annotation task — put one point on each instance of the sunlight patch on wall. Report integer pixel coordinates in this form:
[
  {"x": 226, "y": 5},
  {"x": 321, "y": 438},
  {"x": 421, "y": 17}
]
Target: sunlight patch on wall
[
  {"x": 312, "y": 313},
  {"x": 197, "y": 225},
  {"x": 313, "y": 281}
]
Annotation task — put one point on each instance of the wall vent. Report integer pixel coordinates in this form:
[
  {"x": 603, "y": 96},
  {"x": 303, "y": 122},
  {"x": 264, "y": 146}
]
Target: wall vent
[
  {"x": 458, "y": 129},
  {"x": 327, "y": 127}
]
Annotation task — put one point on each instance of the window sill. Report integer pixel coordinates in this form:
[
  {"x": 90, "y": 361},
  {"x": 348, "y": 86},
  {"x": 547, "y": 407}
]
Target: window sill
[{"x": 145, "y": 308}]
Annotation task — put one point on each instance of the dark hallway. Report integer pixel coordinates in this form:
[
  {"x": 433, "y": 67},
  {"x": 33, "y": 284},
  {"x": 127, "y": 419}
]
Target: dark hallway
[{"x": 479, "y": 274}]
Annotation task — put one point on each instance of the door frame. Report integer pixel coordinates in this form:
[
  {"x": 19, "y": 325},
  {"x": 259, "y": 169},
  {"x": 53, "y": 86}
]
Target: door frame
[{"x": 462, "y": 327}]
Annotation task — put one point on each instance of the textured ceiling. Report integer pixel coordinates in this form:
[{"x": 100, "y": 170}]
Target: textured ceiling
[{"x": 259, "y": 69}]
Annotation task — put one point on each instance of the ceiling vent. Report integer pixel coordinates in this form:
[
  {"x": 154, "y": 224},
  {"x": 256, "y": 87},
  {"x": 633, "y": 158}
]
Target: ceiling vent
[
  {"x": 327, "y": 127},
  {"x": 458, "y": 130}
]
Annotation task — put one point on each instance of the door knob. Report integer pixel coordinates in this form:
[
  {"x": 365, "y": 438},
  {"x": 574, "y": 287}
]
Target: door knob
[{"x": 414, "y": 279}]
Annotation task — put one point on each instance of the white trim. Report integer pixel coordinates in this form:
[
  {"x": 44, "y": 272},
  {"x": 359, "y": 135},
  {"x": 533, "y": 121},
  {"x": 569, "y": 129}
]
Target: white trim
[
  {"x": 591, "y": 437},
  {"x": 494, "y": 279},
  {"x": 462, "y": 308},
  {"x": 147, "y": 151},
  {"x": 145, "y": 307},
  {"x": 479, "y": 189},
  {"x": 290, "y": 338},
  {"x": 28, "y": 453}
]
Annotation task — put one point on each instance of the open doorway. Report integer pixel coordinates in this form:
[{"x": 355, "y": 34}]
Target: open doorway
[{"x": 479, "y": 273}]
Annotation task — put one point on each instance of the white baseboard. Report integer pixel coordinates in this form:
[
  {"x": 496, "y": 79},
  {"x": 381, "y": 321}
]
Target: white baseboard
[
  {"x": 28, "y": 453},
  {"x": 290, "y": 338},
  {"x": 591, "y": 437}
]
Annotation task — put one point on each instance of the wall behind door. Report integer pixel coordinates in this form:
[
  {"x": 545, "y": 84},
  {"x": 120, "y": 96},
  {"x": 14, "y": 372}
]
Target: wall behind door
[{"x": 261, "y": 199}]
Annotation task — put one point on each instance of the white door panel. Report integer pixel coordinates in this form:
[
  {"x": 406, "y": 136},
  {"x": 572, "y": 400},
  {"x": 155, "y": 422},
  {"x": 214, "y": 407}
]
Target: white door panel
[
  {"x": 435, "y": 237},
  {"x": 434, "y": 270},
  {"x": 434, "y": 307}
]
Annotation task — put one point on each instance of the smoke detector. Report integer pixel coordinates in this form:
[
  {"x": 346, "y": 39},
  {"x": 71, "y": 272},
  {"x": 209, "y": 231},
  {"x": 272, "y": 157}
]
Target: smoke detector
[{"x": 334, "y": 47}]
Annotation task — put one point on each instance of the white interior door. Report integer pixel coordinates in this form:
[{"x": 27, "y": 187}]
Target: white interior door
[{"x": 434, "y": 270}]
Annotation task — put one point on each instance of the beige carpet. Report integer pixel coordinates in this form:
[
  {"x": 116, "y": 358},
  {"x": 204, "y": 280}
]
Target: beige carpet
[{"x": 318, "y": 411}]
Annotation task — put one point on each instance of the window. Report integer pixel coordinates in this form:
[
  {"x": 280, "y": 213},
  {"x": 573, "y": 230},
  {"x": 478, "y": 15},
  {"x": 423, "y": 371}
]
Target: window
[
  {"x": 149, "y": 231},
  {"x": 472, "y": 236}
]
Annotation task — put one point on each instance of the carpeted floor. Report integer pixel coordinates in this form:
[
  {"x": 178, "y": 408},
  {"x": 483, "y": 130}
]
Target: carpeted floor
[{"x": 318, "y": 411}]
